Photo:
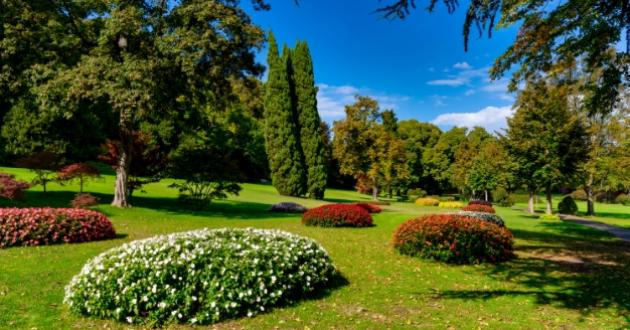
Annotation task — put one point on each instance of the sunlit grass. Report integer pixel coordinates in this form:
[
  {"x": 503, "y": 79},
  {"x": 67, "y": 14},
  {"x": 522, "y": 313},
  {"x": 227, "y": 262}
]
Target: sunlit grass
[{"x": 565, "y": 276}]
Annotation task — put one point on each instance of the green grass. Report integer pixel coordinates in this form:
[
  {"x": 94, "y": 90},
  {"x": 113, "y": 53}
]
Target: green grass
[
  {"x": 566, "y": 276},
  {"x": 612, "y": 214}
]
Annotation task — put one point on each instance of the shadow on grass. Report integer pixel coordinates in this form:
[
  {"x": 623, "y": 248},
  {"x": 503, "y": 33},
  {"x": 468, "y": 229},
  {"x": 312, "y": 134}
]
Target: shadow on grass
[
  {"x": 564, "y": 266},
  {"x": 220, "y": 208}
]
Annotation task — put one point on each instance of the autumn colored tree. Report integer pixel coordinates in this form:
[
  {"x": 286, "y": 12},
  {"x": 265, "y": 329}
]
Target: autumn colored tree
[
  {"x": 354, "y": 141},
  {"x": 81, "y": 172}
]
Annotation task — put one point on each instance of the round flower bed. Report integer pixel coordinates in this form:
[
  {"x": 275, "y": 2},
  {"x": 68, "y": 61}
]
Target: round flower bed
[
  {"x": 199, "y": 277},
  {"x": 42, "y": 226},
  {"x": 479, "y": 202},
  {"x": 490, "y": 217},
  {"x": 427, "y": 201},
  {"x": 371, "y": 208},
  {"x": 454, "y": 238},
  {"x": 479, "y": 208},
  {"x": 337, "y": 215},
  {"x": 451, "y": 205}
]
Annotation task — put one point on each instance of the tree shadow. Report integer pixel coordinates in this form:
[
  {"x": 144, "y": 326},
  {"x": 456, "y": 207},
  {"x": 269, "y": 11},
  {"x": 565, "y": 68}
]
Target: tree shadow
[
  {"x": 566, "y": 267},
  {"x": 221, "y": 208}
]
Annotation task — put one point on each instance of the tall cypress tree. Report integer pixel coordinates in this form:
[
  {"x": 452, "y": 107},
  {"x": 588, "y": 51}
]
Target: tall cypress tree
[
  {"x": 309, "y": 122},
  {"x": 283, "y": 148}
]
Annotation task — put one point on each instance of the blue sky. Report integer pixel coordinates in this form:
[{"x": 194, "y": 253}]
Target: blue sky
[{"x": 416, "y": 66}]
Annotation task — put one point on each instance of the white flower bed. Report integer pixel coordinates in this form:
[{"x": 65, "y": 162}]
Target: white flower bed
[
  {"x": 199, "y": 277},
  {"x": 490, "y": 217}
]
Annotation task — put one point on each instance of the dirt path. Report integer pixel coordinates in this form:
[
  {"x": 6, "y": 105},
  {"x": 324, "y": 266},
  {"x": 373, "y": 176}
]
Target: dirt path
[{"x": 622, "y": 233}]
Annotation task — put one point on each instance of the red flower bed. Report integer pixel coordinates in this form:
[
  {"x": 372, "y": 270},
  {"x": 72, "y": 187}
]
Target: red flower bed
[
  {"x": 371, "y": 208},
  {"x": 43, "y": 226},
  {"x": 337, "y": 215},
  {"x": 454, "y": 238},
  {"x": 479, "y": 202},
  {"x": 478, "y": 208}
]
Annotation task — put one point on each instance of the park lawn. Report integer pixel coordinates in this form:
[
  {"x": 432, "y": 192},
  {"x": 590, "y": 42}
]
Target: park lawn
[
  {"x": 612, "y": 214},
  {"x": 566, "y": 276}
]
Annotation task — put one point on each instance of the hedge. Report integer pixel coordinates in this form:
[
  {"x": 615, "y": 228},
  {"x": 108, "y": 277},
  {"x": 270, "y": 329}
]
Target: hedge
[{"x": 337, "y": 215}]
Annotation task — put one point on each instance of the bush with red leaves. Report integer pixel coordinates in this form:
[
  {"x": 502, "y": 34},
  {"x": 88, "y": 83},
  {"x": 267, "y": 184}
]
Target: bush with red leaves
[
  {"x": 479, "y": 208},
  {"x": 371, "y": 208},
  {"x": 43, "y": 226},
  {"x": 11, "y": 188},
  {"x": 454, "y": 238},
  {"x": 337, "y": 215},
  {"x": 84, "y": 201},
  {"x": 479, "y": 202}
]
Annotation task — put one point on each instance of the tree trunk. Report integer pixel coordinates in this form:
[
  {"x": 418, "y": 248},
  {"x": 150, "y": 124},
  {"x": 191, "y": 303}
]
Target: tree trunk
[
  {"x": 485, "y": 192},
  {"x": 374, "y": 189},
  {"x": 530, "y": 202},
  {"x": 548, "y": 200},
  {"x": 590, "y": 199},
  {"x": 389, "y": 190},
  {"x": 120, "y": 191}
]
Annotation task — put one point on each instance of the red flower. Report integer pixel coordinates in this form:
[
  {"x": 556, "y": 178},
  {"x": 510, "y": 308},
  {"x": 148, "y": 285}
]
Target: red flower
[{"x": 337, "y": 215}]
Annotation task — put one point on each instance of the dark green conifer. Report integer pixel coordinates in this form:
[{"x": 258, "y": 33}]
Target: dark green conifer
[
  {"x": 281, "y": 132},
  {"x": 308, "y": 120}
]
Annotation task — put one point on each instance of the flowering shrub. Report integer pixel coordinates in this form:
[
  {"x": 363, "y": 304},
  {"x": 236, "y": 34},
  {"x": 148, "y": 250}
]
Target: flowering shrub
[
  {"x": 479, "y": 202},
  {"x": 337, "y": 215},
  {"x": 451, "y": 205},
  {"x": 42, "y": 226},
  {"x": 478, "y": 208},
  {"x": 199, "y": 277},
  {"x": 427, "y": 201},
  {"x": 11, "y": 188},
  {"x": 288, "y": 207},
  {"x": 549, "y": 217},
  {"x": 454, "y": 238},
  {"x": 84, "y": 200},
  {"x": 371, "y": 208},
  {"x": 497, "y": 220}
]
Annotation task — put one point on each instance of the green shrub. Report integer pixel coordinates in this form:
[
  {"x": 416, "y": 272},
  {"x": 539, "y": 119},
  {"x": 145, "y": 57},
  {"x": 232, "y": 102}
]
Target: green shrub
[
  {"x": 416, "y": 192},
  {"x": 427, "y": 201},
  {"x": 579, "y": 195},
  {"x": 567, "y": 206},
  {"x": 454, "y": 238},
  {"x": 623, "y": 199},
  {"x": 501, "y": 197},
  {"x": 549, "y": 217},
  {"x": 199, "y": 277}
]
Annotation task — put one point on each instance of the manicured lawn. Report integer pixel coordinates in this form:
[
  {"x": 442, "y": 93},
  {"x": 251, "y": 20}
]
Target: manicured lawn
[
  {"x": 566, "y": 276},
  {"x": 612, "y": 214}
]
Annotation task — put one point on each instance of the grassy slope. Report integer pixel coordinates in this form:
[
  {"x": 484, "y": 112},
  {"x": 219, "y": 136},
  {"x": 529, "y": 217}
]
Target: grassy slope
[{"x": 566, "y": 276}]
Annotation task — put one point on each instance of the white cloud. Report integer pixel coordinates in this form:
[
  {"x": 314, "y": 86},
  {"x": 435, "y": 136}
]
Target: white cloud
[
  {"x": 331, "y": 100},
  {"x": 462, "y": 66},
  {"x": 491, "y": 118},
  {"x": 464, "y": 77},
  {"x": 447, "y": 82}
]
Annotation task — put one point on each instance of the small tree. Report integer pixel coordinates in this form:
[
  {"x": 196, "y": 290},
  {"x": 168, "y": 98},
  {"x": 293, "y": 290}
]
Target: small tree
[
  {"x": 43, "y": 164},
  {"x": 80, "y": 172},
  {"x": 12, "y": 189}
]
